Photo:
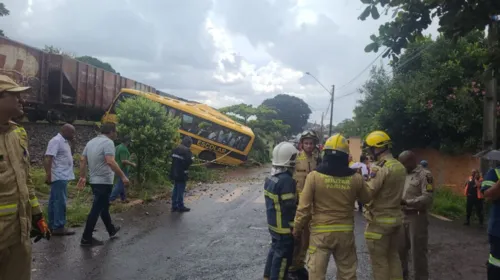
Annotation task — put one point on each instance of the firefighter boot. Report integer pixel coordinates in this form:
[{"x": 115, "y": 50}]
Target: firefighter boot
[{"x": 303, "y": 274}]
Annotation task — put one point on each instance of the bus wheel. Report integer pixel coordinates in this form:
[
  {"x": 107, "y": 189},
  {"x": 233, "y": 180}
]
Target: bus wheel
[{"x": 207, "y": 156}]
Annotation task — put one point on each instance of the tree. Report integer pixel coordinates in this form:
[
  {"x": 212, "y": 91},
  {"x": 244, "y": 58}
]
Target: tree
[
  {"x": 263, "y": 121},
  {"x": 55, "y": 50},
  {"x": 433, "y": 102},
  {"x": 96, "y": 62},
  {"x": 292, "y": 110},
  {"x": 410, "y": 18},
  {"x": 3, "y": 12},
  {"x": 154, "y": 134},
  {"x": 86, "y": 59}
]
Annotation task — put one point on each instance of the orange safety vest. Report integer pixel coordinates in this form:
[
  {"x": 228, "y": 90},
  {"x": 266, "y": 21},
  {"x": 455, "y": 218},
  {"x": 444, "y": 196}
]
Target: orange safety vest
[{"x": 479, "y": 193}]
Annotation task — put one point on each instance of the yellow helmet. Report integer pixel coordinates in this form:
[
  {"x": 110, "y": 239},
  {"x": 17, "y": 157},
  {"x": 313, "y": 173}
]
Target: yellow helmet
[
  {"x": 337, "y": 143},
  {"x": 377, "y": 139}
]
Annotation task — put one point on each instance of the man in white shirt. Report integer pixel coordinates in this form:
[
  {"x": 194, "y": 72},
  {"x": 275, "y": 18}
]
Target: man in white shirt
[
  {"x": 362, "y": 167},
  {"x": 59, "y": 170}
]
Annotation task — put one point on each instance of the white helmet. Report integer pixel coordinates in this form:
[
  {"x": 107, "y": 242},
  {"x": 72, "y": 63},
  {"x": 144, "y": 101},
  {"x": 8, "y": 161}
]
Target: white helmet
[{"x": 284, "y": 154}]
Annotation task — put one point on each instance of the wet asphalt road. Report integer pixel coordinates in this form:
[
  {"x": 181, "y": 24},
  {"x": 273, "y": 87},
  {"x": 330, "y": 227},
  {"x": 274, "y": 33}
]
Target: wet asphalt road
[{"x": 223, "y": 237}]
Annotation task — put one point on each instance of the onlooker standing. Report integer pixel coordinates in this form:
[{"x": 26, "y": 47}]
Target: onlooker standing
[
  {"x": 475, "y": 199},
  {"x": 122, "y": 157},
  {"x": 59, "y": 170},
  {"x": 99, "y": 154},
  {"x": 181, "y": 160},
  {"x": 362, "y": 166},
  {"x": 417, "y": 200}
]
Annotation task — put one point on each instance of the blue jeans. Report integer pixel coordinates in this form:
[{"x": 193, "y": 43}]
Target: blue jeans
[
  {"x": 178, "y": 194},
  {"x": 100, "y": 207},
  {"x": 118, "y": 189},
  {"x": 57, "y": 204}
]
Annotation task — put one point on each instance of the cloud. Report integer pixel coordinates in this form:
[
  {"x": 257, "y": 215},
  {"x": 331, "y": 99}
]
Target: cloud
[{"x": 220, "y": 52}]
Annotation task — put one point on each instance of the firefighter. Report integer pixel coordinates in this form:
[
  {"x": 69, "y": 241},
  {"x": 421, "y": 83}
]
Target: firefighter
[
  {"x": 383, "y": 213},
  {"x": 417, "y": 200},
  {"x": 328, "y": 202},
  {"x": 19, "y": 207},
  {"x": 307, "y": 160},
  {"x": 280, "y": 196},
  {"x": 490, "y": 187}
]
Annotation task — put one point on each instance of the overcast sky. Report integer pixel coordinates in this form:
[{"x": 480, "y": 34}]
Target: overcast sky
[{"x": 220, "y": 52}]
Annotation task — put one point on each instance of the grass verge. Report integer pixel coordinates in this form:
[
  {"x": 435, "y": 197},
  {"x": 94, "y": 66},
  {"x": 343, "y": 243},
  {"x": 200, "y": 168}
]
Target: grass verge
[
  {"x": 448, "y": 203},
  {"x": 80, "y": 201}
]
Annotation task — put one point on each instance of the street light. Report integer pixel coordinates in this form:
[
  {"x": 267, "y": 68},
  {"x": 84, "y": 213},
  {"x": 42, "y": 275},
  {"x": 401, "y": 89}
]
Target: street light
[{"x": 331, "y": 109}]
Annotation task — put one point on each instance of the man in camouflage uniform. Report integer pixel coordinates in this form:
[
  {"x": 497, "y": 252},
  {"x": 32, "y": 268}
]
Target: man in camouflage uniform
[
  {"x": 417, "y": 199},
  {"x": 19, "y": 206}
]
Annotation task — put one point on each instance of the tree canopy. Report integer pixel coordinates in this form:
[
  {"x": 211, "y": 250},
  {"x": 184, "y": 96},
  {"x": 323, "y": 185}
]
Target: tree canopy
[
  {"x": 410, "y": 18},
  {"x": 265, "y": 124},
  {"x": 292, "y": 110},
  {"x": 96, "y": 62},
  {"x": 154, "y": 134},
  {"x": 86, "y": 59},
  {"x": 3, "y": 12},
  {"x": 432, "y": 100}
]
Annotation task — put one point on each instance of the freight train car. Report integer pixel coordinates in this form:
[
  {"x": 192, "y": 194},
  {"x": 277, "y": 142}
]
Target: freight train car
[{"x": 63, "y": 89}]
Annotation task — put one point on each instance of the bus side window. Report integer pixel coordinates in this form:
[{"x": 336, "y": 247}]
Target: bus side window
[
  {"x": 172, "y": 112},
  {"x": 188, "y": 123},
  {"x": 243, "y": 142},
  {"x": 121, "y": 97}
]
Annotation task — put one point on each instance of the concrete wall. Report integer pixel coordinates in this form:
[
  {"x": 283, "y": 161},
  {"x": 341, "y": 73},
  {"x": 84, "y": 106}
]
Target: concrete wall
[
  {"x": 448, "y": 170},
  {"x": 355, "y": 148}
]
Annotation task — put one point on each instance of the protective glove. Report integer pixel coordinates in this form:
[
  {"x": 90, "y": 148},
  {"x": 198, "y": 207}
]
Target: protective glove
[{"x": 39, "y": 228}]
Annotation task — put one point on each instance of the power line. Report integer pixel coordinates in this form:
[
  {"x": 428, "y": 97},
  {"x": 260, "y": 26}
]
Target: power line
[
  {"x": 416, "y": 55},
  {"x": 364, "y": 70}
]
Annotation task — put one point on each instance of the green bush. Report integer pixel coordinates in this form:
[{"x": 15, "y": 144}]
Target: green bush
[
  {"x": 154, "y": 134},
  {"x": 448, "y": 203}
]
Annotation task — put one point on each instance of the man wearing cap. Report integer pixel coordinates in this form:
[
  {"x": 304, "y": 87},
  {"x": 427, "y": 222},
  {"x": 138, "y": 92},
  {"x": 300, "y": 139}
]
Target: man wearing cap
[{"x": 19, "y": 207}]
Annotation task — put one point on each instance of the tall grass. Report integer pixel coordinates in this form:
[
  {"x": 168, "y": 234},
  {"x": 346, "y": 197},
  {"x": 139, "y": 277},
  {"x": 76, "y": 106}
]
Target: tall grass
[{"x": 448, "y": 203}]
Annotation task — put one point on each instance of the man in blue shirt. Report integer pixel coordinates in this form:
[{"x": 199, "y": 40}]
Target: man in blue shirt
[{"x": 491, "y": 189}]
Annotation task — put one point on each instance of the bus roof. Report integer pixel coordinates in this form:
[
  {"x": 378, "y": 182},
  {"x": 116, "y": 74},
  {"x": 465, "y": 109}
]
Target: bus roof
[{"x": 197, "y": 109}]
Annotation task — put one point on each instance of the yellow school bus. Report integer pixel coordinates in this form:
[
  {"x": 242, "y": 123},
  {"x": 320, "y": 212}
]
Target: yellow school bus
[{"x": 215, "y": 136}]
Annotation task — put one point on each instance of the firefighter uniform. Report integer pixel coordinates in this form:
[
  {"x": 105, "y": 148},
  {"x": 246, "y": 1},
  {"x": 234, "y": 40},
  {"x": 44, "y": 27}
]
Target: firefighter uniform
[
  {"x": 384, "y": 218},
  {"x": 304, "y": 165},
  {"x": 280, "y": 197},
  {"x": 417, "y": 196},
  {"x": 17, "y": 204},
  {"x": 327, "y": 201},
  {"x": 490, "y": 180}
]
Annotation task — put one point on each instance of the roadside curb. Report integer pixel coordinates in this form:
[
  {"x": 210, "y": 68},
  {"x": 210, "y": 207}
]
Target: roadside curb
[{"x": 442, "y": 218}]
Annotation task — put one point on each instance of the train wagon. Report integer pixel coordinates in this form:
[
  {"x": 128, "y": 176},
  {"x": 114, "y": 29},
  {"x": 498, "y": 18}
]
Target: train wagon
[{"x": 63, "y": 88}]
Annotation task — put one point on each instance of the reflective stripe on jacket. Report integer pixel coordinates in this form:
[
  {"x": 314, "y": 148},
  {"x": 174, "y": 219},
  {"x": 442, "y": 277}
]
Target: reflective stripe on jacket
[
  {"x": 304, "y": 165},
  {"x": 17, "y": 201},
  {"x": 280, "y": 197}
]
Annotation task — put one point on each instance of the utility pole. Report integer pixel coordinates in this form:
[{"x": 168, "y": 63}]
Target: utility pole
[
  {"x": 331, "y": 111},
  {"x": 321, "y": 130},
  {"x": 490, "y": 101}
]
